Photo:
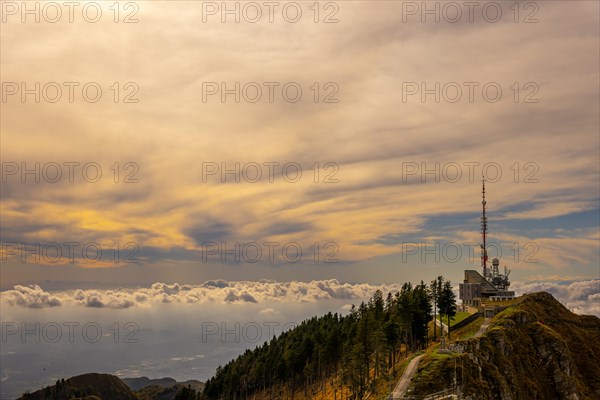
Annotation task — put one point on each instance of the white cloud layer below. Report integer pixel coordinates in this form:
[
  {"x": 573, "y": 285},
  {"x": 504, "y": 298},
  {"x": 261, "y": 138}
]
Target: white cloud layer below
[
  {"x": 582, "y": 297},
  {"x": 218, "y": 291}
]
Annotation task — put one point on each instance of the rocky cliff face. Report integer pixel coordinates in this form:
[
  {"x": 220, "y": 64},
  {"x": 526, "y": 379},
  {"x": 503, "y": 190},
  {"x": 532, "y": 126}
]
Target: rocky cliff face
[{"x": 536, "y": 349}]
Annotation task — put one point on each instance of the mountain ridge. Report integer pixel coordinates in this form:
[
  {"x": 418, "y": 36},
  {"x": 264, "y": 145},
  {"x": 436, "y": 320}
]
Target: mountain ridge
[
  {"x": 96, "y": 386},
  {"x": 535, "y": 349}
]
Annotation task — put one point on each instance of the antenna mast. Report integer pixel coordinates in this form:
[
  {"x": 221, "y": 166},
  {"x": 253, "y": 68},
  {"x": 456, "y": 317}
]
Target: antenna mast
[{"x": 484, "y": 256}]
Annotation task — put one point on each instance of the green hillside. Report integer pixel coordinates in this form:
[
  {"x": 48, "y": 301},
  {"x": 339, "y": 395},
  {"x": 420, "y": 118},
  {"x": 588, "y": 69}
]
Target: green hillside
[{"x": 350, "y": 355}]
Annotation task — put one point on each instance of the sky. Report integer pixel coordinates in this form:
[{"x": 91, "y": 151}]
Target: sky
[{"x": 324, "y": 149}]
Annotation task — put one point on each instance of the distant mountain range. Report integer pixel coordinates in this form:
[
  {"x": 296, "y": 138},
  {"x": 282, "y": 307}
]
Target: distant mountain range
[{"x": 140, "y": 383}]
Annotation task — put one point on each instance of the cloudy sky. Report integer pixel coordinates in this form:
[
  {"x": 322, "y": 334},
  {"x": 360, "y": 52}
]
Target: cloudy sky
[
  {"x": 353, "y": 132},
  {"x": 373, "y": 197}
]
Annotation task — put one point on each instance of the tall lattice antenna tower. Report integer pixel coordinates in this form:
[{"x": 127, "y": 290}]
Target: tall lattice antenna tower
[{"x": 484, "y": 255}]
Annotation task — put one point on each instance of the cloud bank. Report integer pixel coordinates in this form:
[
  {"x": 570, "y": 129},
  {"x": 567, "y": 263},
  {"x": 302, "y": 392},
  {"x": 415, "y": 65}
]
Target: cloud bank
[
  {"x": 31, "y": 296},
  {"x": 581, "y": 297},
  {"x": 372, "y": 134},
  {"x": 214, "y": 291}
]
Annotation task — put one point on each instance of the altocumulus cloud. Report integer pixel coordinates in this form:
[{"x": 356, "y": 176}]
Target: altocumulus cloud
[{"x": 582, "y": 297}]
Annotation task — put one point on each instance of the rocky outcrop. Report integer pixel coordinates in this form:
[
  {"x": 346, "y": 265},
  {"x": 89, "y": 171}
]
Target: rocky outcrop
[{"x": 536, "y": 349}]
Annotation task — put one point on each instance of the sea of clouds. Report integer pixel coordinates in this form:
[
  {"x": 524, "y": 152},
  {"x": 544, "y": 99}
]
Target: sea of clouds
[
  {"x": 219, "y": 291},
  {"x": 582, "y": 297}
]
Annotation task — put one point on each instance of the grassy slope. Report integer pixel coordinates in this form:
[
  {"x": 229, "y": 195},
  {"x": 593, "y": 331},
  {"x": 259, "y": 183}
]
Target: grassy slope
[{"x": 457, "y": 318}]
